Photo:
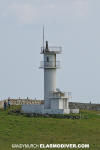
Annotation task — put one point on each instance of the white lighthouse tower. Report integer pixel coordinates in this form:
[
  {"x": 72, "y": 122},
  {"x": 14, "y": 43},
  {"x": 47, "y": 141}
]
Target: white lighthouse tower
[
  {"x": 50, "y": 65},
  {"x": 55, "y": 101}
]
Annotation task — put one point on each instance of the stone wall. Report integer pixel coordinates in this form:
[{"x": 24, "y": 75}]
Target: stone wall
[
  {"x": 21, "y": 101},
  {"x": 72, "y": 105},
  {"x": 1, "y": 104},
  {"x": 84, "y": 106}
]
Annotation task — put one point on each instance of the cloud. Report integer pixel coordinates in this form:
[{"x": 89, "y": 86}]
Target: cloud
[
  {"x": 24, "y": 13},
  {"x": 80, "y": 7},
  {"x": 27, "y": 12}
]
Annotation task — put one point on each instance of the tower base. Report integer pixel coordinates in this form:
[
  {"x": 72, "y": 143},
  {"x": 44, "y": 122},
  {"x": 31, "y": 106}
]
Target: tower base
[{"x": 39, "y": 109}]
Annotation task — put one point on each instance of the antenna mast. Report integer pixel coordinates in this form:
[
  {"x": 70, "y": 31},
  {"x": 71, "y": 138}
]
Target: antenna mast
[{"x": 43, "y": 37}]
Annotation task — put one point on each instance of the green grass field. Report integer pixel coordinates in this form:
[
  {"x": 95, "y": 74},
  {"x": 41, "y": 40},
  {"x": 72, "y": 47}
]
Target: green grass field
[{"x": 21, "y": 129}]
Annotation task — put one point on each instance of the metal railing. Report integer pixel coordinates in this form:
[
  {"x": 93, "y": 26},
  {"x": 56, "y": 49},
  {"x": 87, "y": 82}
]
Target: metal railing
[
  {"x": 52, "y": 49},
  {"x": 60, "y": 95},
  {"x": 50, "y": 64}
]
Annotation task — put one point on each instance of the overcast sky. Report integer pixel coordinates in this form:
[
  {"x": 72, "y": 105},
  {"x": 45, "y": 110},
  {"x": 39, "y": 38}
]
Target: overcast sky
[{"x": 72, "y": 24}]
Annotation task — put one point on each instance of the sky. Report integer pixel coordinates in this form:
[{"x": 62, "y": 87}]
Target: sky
[{"x": 72, "y": 24}]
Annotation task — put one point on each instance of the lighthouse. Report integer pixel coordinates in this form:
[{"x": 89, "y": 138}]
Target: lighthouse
[
  {"x": 55, "y": 100},
  {"x": 50, "y": 65}
]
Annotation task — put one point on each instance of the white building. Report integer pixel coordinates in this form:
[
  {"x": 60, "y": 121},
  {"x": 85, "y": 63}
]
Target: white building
[{"x": 55, "y": 101}]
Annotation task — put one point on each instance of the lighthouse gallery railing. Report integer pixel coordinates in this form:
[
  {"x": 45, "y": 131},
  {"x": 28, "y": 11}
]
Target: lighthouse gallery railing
[{"x": 50, "y": 64}]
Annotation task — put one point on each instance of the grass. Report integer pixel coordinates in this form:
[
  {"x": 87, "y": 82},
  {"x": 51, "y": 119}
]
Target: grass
[{"x": 16, "y": 128}]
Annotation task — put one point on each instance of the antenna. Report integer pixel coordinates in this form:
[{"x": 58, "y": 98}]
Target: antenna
[{"x": 43, "y": 37}]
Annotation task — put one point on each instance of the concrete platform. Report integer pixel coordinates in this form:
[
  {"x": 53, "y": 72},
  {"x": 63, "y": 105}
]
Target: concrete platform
[{"x": 39, "y": 109}]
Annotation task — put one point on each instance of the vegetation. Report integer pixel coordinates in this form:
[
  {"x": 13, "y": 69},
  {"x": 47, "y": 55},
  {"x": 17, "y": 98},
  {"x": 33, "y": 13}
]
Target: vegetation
[{"x": 20, "y": 129}]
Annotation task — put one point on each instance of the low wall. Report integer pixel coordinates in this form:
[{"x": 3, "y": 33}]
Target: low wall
[
  {"x": 72, "y": 105},
  {"x": 74, "y": 111},
  {"x": 1, "y": 104},
  {"x": 21, "y": 102},
  {"x": 84, "y": 106},
  {"x": 32, "y": 108},
  {"x": 39, "y": 109}
]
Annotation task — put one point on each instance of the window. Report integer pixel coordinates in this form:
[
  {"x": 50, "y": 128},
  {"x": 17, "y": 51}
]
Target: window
[{"x": 47, "y": 59}]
